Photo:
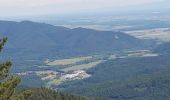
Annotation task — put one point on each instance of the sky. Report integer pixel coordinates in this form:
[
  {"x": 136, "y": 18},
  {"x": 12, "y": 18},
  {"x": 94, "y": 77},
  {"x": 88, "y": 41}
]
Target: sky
[{"x": 9, "y": 8}]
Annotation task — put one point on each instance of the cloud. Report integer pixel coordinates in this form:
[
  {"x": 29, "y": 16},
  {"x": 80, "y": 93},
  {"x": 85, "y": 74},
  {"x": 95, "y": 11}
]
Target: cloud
[{"x": 28, "y": 7}]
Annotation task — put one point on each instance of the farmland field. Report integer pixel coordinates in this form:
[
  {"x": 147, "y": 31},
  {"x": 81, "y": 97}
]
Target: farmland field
[
  {"x": 82, "y": 66},
  {"x": 68, "y": 61},
  {"x": 162, "y": 34}
]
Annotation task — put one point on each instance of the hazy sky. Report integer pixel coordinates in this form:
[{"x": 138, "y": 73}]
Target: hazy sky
[{"x": 40, "y": 7}]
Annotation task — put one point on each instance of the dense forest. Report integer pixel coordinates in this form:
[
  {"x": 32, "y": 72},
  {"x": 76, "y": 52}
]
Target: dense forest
[
  {"x": 142, "y": 78},
  {"x": 163, "y": 48},
  {"x": 146, "y": 87},
  {"x": 47, "y": 94},
  {"x": 44, "y": 40}
]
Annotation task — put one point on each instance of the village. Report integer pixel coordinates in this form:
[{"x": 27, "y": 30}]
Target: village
[{"x": 49, "y": 75}]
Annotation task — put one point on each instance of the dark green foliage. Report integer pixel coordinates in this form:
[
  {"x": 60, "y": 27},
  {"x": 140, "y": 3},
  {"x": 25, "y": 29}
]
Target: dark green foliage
[
  {"x": 2, "y": 43},
  {"x": 32, "y": 81},
  {"x": 163, "y": 48},
  {"x": 121, "y": 69},
  {"x": 47, "y": 94},
  {"x": 146, "y": 87},
  {"x": 8, "y": 83},
  {"x": 143, "y": 78}
]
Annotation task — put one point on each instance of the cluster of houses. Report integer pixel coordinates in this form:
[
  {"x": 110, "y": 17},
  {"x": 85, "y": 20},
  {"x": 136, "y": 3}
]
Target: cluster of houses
[
  {"x": 79, "y": 74},
  {"x": 50, "y": 75}
]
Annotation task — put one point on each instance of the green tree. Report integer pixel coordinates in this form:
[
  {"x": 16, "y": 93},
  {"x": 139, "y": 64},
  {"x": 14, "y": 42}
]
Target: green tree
[{"x": 8, "y": 83}]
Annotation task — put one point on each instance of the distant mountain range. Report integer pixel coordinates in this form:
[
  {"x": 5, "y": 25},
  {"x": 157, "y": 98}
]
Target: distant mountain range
[{"x": 31, "y": 39}]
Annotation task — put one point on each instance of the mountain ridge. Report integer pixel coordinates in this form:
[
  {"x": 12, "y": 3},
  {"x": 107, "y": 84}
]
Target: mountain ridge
[{"x": 42, "y": 39}]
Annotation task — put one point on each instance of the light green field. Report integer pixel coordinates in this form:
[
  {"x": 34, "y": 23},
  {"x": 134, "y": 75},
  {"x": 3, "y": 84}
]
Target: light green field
[
  {"x": 82, "y": 66},
  {"x": 68, "y": 61},
  {"x": 162, "y": 34},
  {"x": 112, "y": 56},
  {"x": 55, "y": 82}
]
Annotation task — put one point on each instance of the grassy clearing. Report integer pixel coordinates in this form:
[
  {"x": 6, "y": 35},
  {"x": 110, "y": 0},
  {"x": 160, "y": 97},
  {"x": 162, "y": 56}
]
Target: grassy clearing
[
  {"x": 82, "y": 66},
  {"x": 112, "y": 56},
  {"x": 68, "y": 61}
]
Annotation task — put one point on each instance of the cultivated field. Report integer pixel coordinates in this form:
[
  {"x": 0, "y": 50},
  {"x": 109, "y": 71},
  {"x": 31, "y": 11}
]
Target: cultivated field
[
  {"x": 162, "y": 34},
  {"x": 82, "y": 66},
  {"x": 68, "y": 61}
]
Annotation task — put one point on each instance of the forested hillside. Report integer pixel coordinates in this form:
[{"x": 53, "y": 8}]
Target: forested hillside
[
  {"x": 154, "y": 86},
  {"x": 47, "y": 94},
  {"x": 141, "y": 78},
  {"x": 163, "y": 48},
  {"x": 36, "y": 40}
]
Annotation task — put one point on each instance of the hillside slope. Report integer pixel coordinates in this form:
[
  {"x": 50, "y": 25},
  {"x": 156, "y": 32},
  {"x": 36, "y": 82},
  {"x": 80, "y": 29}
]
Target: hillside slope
[
  {"x": 163, "y": 48},
  {"x": 154, "y": 86},
  {"x": 119, "y": 78},
  {"x": 47, "y": 94},
  {"x": 40, "y": 39}
]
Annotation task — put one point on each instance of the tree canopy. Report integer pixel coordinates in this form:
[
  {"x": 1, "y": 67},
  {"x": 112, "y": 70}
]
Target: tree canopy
[{"x": 8, "y": 82}]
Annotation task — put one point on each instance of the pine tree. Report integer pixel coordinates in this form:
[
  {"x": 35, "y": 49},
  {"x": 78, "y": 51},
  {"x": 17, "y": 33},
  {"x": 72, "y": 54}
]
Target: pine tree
[{"x": 8, "y": 83}]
